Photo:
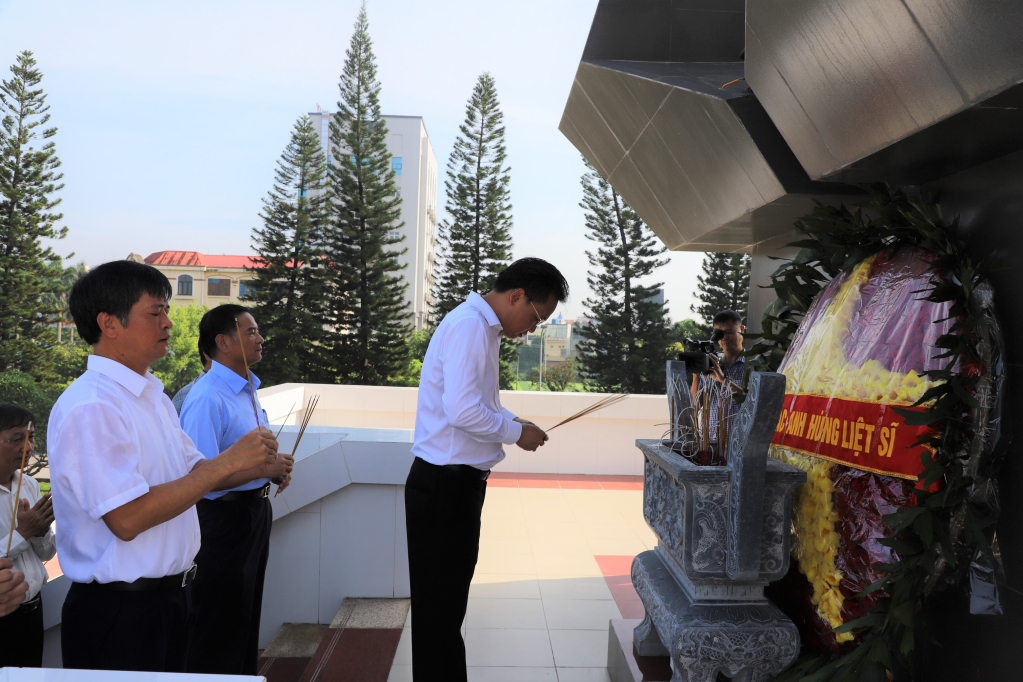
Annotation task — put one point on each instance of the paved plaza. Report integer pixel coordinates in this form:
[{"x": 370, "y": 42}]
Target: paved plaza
[{"x": 553, "y": 570}]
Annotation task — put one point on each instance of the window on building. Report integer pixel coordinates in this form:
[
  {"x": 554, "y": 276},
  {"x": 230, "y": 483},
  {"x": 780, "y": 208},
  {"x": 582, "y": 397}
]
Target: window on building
[
  {"x": 397, "y": 193},
  {"x": 393, "y": 234},
  {"x": 184, "y": 285},
  {"x": 218, "y": 287},
  {"x": 244, "y": 288},
  {"x": 396, "y": 164}
]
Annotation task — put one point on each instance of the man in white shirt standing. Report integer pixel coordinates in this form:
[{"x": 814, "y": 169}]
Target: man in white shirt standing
[
  {"x": 126, "y": 479},
  {"x": 32, "y": 542},
  {"x": 461, "y": 430}
]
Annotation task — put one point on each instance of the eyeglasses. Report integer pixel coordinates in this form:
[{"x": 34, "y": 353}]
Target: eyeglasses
[{"x": 539, "y": 320}]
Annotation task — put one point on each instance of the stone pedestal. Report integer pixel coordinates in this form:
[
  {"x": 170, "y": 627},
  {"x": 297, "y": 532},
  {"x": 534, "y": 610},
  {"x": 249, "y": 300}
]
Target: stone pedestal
[{"x": 723, "y": 534}]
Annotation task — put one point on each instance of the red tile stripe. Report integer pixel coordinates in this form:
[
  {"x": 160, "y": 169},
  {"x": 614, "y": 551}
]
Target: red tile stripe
[
  {"x": 501, "y": 479},
  {"x": 617, "y": 572}
]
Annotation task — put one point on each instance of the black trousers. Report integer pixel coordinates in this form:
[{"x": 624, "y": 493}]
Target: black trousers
[
  {"x": 442, "y": 519},
  {"x": 227, "y": 593},
  {"x": 22, "y": 635},
  {"x": 105, "y": 629}
]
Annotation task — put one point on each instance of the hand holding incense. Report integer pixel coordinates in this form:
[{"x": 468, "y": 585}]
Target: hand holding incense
[
  {"x": 17, "y": 495},
  {"x": 599, "y": 405}
]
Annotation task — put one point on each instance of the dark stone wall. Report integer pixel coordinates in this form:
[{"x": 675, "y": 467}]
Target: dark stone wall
[{"x": 988, "y": 200}]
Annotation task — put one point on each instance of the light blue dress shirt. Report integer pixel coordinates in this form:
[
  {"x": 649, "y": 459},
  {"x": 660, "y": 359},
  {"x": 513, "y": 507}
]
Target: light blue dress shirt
[{"x": 218, "y": 412}]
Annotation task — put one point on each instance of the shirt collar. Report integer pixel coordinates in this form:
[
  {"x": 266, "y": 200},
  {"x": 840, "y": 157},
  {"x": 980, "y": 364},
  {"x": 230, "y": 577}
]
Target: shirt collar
[
  {"x": 134, "y": 382},
  {"x": 479, "y": 303},
  {"x": 235, "y": 382}
]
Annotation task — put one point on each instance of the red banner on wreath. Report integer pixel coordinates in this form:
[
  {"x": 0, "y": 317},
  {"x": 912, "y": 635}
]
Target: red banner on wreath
[{"x": 865, "y": 435}]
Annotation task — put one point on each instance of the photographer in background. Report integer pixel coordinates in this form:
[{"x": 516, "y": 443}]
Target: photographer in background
[{"x": 731, "y": 329}]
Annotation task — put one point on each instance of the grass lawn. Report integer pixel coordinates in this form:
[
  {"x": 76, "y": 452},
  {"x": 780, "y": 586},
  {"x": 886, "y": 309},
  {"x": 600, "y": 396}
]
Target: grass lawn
[{"x": 44, "y": 487}]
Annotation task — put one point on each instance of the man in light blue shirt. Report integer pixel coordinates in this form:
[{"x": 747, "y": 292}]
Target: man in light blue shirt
[{"x": 235, "y": 523}]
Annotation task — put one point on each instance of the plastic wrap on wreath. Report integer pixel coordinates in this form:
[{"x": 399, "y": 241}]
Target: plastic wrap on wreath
[{"x": 862, "y": 350}]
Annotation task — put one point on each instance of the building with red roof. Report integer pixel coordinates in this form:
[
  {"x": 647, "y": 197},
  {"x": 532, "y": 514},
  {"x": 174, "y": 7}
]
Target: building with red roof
[{"x": 202, "y": 279}]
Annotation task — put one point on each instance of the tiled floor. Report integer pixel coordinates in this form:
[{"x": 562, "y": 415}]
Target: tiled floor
[{"x": 553, "y": 570}]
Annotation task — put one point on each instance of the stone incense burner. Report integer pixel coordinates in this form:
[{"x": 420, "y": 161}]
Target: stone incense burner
[{"x": 723, "y": 534}]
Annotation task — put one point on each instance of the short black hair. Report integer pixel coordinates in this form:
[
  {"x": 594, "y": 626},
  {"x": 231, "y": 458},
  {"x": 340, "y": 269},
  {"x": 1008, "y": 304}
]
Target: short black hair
[
  {"x": 219, "y": 320},
  {"x": 726, "y": 317},
  {"x": 538, "y": 278},
  {"x": 113, "y": 288},
  {"x": 12, "y": 416}
]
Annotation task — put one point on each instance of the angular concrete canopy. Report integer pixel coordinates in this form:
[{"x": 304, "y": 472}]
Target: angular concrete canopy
[
  {"x": 702, "y": 164},
  {"x": 905, "y": 91}
]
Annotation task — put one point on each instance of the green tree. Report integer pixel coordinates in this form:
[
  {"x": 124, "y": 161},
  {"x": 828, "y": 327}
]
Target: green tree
[
  {"x": 625, "y": 350},
  {"x": 724, "y": 285},
  {"x": 684, "y": 329},
  {"x": 366, "y": 307},
  {"x": 29, "y": 178},
  {"x": 182, "y": 362},
  {"x": 415, "y": 348},
  {"x": 18, "y": 388},
  {"x": 287, "y": 288},
  {"x": 475, "y": 243}
]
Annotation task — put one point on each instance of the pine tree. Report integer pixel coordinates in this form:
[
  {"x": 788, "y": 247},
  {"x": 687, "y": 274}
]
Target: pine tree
[
  {"x": 29, "y": 271},
  {"x": 627, "y": 347},
  {"x": 287, "y": 286},
  {"x": 724, "y": 285},
  {"x": 366, "y": 306},
  {"x": 475, "y": 243}
]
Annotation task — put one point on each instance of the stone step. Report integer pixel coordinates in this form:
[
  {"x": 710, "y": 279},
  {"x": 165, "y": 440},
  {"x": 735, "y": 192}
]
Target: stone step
[{"x": 359, "y": 644}]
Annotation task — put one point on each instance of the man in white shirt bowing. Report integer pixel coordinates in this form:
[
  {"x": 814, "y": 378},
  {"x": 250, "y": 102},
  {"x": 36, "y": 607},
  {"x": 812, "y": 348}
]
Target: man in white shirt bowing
[
  {"x": 235, "y": 524},
  {"x": 461, "y": 429},
  {"x": 32, "y": 541},
  {"x": 125, "y": 479}
]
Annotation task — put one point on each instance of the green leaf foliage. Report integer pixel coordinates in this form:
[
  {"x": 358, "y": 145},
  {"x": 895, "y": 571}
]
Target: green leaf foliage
[
  {"x": 289, "y": 281},
  {"x": 19, "y": 388},
  {"x": 836, "y": 238},
  {"x": 30, "y": 272},
  {"x": 627, "y": 347},
  {"x": 366, "y": 307},
  {"x": 724, "y": 285},
  {"x": 182, "y": 362},
  {"x": 474, "y": 243}
]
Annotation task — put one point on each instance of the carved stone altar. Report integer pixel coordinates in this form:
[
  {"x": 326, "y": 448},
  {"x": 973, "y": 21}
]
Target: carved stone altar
[{"x": 723, "y": 534}]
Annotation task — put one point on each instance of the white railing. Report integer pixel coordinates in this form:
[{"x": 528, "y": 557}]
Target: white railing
[{"x": 601, "y": 443}]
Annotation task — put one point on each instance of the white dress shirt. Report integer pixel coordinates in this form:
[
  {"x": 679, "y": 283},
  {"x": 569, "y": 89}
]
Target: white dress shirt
[
  {"x": 459, "y": 418},
  {"x": 112, "y": 434},
  {"x": 28, "y": 554}
]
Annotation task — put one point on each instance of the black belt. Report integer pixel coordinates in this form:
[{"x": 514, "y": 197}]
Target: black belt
[
  {"x": 178, "y": 581},
  {"x": 254, "y": 494},
  {"x": 468, "y": 469},
  {"x": 32, "y": 604}
]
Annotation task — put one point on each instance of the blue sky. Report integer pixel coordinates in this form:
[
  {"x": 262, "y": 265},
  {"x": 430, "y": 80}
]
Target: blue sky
[{"x": 172, "y": 115}]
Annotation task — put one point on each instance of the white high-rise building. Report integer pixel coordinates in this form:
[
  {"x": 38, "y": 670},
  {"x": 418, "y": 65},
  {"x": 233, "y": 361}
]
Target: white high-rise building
[{"x": 415, "y": 171}]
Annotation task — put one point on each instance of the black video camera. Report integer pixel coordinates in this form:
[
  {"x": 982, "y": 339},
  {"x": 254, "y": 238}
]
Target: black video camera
[{"x": 697, "y": 354}]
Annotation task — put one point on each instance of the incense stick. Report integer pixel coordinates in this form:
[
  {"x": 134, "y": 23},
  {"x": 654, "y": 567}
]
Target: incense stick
[
  {"x": 607, "y": 401},
  {"x": 286, "y": 420},
  {"x": 248, "y": 375},
  {"x": 306, "y": 418},
  {"x": 17, "y": 495}
]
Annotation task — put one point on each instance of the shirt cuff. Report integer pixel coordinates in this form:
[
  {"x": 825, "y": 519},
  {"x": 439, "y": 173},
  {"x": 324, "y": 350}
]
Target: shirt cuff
[
  {"x": 508, "y": 413},
  {"x": 18, "y": 544},
  {"x": 512, "y": 432},
  {"x": 97, "y": 512}
]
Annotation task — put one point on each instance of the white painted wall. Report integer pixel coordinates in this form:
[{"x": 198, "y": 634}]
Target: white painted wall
[{"x": 601, "y": 443}]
